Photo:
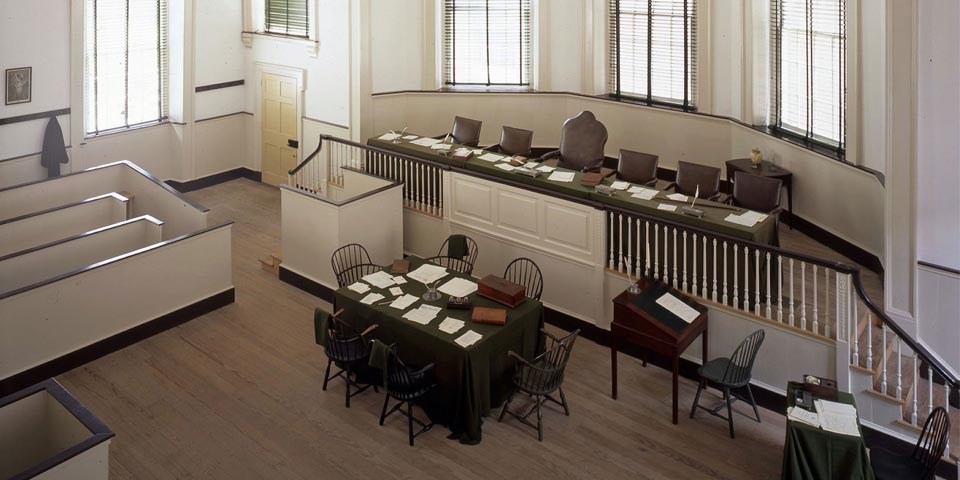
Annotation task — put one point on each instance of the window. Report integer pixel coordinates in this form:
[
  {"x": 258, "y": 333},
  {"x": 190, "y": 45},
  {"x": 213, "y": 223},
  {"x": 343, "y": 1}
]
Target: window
[
  {"x": 486, "y": 42},
  {"x": 808, "y": 70},
  {"x": 653, "y": 51},
  {"x": 287, "y": 17},
  {"x": 125, "y": 64}
]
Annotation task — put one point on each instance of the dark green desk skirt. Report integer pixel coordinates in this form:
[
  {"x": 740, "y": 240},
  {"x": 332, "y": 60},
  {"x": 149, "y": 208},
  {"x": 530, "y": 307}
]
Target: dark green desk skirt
[
  {"x": 811, "y": 453},
  {"x": 471, "y": 381}
]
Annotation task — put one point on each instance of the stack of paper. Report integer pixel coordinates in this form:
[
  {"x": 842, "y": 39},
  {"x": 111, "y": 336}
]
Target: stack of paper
[
  {"x": 562, "y": 176},
  {"x": 396, "y": 291},
  {"x": 805, "y": 416},
  {"x": 409, "y": 137},
  {"x": 531, "y": 165},
  {"x": 468, "y": 338},
  {"x": 440, "y": 146},
  {"x": 428, "y": 274},
  {"x": 478, "y": 151},
  {"x": 545, "y": 168},
  {"x": 679, "y": 197},
  {"x": 677, "y": 307},
  {"x": 379, "y": 279},
  {"x": 425, "y": 141},
  {"x": 491, "y": 157},
  {"x": 371, "y": 298},
  {"x": 618, "y": 185},
  {"x": 645, "y": 193},
  {"x": 506, "y": 166},
  {"x": 747, "y": 219},
  {"x": 399, "y": 280},
  {"x": 669, "y": 208},
  {"x": 422, "y": 315},
  {"x": 451, "y": 325},
  {"x": 458, "y": 287},
  {"x": 359, "y": 287},
  {"x": 403, "y": 302},
  {"x": 837, "y": 417},
  {"x": 389, "y": 136}
]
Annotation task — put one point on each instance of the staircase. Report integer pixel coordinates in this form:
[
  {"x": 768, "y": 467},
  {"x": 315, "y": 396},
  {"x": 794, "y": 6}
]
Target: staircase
[{"x": 900, "y": 386}]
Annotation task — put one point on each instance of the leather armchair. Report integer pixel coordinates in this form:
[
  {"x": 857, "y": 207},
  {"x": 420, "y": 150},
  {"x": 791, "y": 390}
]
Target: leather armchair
[
  {"x": 581, "y": 145},
  {"x": 514, "y": 141},
  {"x": 638, "y": 167},
  {"x": 466, "y": 131},
  {"x": 691, "y": 175},
  {"x": 757, "y": 193}
]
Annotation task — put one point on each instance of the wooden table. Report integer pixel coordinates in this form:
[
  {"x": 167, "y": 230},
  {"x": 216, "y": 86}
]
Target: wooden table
[
  {"x": 767, "y": 169},
  {"x": 640, "y": 321}
]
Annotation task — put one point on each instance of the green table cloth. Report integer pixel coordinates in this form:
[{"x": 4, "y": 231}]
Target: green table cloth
[
  {"x": 471, "y": 381},
  {"x": 811, "y": 453}
]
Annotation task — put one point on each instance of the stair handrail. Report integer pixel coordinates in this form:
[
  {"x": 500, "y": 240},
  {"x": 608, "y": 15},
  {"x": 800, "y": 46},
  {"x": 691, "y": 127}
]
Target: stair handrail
[{"x": 853, "y": 271}]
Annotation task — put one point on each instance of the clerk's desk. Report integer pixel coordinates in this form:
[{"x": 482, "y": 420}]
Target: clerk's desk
[{"x": 640, "y": 321}]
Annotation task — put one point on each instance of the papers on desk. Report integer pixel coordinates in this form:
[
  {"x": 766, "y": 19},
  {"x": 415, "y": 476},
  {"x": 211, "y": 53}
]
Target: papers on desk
[
  {"x": 409, "y": 137},
  {"x": 371, "y": 299},
  {"x": 425, "y": 141},
  {"x": 403, "y": 302},
  {"x": 506, "y": 167},
  {"x": 428, "y": 274},
  {"x": 618, "y": 185},
  {"x": 562, "y": 176},
  {"x": 678, "y": 307},
  {"x": 478, "y": 151},
  {"x": 399, "y": 280},
  {"x": 747, "y": 219},
  {"x": 531, "y": 165},
  {"x": 491, "y": 157},
  {"x": 804, "y": 416},
  {"x": 679, "y": 197},
  {"x": 422, "y": 315},
  {"x": 395, "y": 291},
  {"x": 458, "y": 287},
  {"x": 440, "y": 146},
  {"x": 451, "y": 325},
  {"x": 546, "y": 168},
  {"x": 836, "y": 408},
  {"x": 645, "y": 193},
  {"x": 379, "y": 279},
  {"x": 468, "y": 338},
  {"x": 669, "y": 208},
  {"x": 359, "y": 287},
  {"x": 389, "y": 136}
]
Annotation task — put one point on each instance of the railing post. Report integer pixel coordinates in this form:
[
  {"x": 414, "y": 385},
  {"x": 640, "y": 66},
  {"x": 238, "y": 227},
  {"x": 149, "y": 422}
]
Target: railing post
[{"x": 843, "y": 297}]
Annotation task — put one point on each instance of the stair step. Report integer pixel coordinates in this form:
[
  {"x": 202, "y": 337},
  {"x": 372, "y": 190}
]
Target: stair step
[
  {"x": 270, "y": 264},
  {"x": 887, "y": 397}
]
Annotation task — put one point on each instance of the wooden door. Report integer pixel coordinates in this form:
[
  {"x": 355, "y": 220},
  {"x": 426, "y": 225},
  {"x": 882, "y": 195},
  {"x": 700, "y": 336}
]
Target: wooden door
[{"x": 278, "y": 127}]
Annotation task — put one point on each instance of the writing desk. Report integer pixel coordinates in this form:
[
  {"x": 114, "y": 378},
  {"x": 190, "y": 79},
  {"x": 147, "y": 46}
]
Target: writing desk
[
  {"x": 471, "y": 381},
  {"x": 640, "y": 321}
]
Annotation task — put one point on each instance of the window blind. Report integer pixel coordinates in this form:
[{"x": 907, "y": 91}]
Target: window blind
[
  {"x": 287, "y": 17},
  {"x": 652, "y": 51},
  {"x": 808, "y": 70},
  {"x": 486, "y": 42},
  {"x": 125, "y": 63}
]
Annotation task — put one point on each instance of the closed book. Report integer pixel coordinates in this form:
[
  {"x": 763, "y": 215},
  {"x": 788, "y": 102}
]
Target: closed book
[
  {"x": 400, "y": 267},
  {"x": 490, "y": 316},
  {"x": 501, "y": 290},
  {"x": 591, "y": 179}
]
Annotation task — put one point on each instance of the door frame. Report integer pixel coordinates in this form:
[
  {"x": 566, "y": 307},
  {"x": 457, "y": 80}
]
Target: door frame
[{"x": 293, "y": 72}]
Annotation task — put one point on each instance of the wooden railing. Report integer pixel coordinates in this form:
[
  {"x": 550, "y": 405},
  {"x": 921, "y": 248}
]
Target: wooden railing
[{"x": 422, "y": 179}]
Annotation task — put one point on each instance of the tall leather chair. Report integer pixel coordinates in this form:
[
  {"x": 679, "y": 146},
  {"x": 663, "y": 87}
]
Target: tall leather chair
[
  {"x": 514, "y": 141},
  {"x": 638, "y": 167},
  {"x": 581, "y": 145},
  {"x": 756, "y": 193},
  {"x": 466, "y": 131},
  {"x": 692, "y": 175}
]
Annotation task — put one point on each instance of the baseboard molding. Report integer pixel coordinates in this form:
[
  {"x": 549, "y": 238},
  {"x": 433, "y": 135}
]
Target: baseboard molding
[
  {"x": 113, "y": 343},
  {"x": 306, "y": 284},
  {"x": 216, "y": 178}
]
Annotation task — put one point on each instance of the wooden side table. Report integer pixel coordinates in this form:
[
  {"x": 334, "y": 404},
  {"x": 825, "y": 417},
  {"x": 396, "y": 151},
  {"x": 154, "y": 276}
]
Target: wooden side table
[
  {"x": 640, "y": 321},
  {"x": 767, "y": 169}
]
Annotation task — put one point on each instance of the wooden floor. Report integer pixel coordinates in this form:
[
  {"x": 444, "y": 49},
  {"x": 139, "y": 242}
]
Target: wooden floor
[{"x": 237, "y": 394}]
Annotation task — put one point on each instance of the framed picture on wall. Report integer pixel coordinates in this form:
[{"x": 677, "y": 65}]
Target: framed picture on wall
[{"x": 19, "y": 85}]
